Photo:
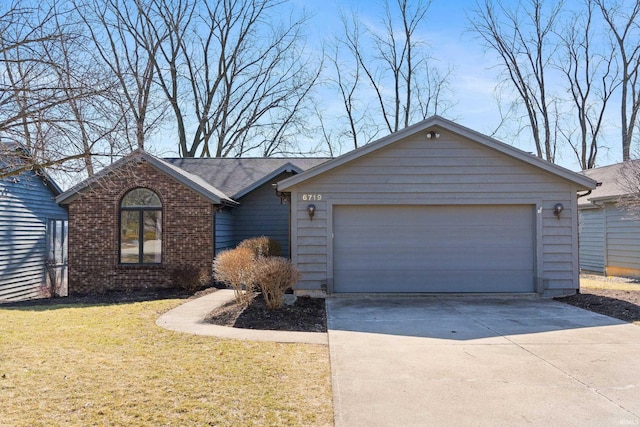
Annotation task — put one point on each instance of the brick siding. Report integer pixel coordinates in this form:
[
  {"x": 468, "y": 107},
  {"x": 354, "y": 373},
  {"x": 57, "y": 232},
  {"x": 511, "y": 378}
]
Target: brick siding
[{"x": 187, "y": 232}]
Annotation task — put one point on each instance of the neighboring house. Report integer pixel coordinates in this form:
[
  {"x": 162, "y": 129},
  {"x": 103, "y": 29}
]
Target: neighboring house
[
  {"x": 437, "y": 208},
  {"x": 609, "y": 235},
  {"x": 138, "y": 220},
  {"x": 32, "y": 238}
]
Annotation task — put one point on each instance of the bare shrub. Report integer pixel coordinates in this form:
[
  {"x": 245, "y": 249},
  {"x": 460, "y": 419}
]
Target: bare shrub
[
  {"x": 235, "y": 268},
  {"x": 261, "y": 246},
  {"x": 274, "y": 276},
  {"x": 189, "y": 277}
]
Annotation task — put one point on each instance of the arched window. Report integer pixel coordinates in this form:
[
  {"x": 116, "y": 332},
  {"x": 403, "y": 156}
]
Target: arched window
[{"x": 141, "y": 227}]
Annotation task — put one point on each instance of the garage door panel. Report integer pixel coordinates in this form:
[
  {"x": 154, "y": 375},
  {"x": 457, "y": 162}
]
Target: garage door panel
[
  {"x": 360, "y": 215},
  {"x": 415, "y": 235},
  {"x": 432, "y": 258},
  {"x": 437, "y": 281},
  {"x": 433, "y": 248}
]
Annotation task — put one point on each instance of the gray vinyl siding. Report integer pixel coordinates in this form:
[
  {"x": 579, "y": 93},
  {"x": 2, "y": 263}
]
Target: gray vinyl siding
[
  {"x": 25, "y": 205},
  {"x": 592, "y": 240},
  {"x": 450, "y": 170},
  {"x": 622, "y": 238},
  {"x": 261, "y": 213},
  {"x": 224, "y": 238}
]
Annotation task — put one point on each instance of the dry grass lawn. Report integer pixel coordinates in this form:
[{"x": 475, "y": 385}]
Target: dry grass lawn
[
  {"x": 110, "y": 365},
  {"x": 613, "y": 283}
]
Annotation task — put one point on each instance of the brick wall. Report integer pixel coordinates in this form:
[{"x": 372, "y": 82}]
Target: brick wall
[{"x": 187, "y": 232}]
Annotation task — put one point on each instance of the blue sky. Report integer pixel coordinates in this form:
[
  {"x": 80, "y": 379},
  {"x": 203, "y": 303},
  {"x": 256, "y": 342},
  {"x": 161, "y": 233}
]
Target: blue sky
[
  {"x": 475, "y": 71},
  {"x": 475, "y": 76}
]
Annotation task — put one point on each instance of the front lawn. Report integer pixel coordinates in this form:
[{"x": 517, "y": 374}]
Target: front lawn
[{"x": 111, "y": 365}]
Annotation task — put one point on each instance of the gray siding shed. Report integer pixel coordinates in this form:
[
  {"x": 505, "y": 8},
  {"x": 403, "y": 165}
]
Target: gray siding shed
[
  {"x": 26, "y": 205},
  {"x": 459, "y": 169},
  {"x": 609, "y": 234},
  {"x": 592, "y": 240}
]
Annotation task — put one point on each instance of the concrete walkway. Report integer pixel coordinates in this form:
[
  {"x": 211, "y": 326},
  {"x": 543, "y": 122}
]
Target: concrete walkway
[
  {"x": 481, "y": 362},
  {"x": 189, "y": 318}
]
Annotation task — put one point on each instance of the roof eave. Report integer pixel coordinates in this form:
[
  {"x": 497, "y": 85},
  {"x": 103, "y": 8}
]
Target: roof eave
[
  {"x": 436, "y": 121},
  {"x": 216, "y": 199},
  {"x": 284, "y": 168}
]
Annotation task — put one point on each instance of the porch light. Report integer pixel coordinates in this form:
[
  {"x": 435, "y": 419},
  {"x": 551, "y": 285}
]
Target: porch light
[
  {"x": 557, "y": 209},
  {"x": 311, "y": 210},
  {"x": 433, "y": 135}
]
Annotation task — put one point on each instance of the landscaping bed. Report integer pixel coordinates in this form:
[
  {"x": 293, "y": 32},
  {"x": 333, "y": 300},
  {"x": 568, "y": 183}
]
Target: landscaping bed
[
  {"x": 612, "y": 296},
  {"x": 306, "y": 314}
]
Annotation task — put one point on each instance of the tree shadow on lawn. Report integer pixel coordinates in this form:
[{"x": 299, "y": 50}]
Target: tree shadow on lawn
[{"x": 104, "y": 299}]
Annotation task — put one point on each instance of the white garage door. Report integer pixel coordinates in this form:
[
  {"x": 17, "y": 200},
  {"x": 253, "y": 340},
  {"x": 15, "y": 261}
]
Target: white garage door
[{"x": 433, "y": 248}]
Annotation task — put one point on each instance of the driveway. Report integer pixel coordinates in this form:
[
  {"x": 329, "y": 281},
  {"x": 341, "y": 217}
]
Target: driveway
[{"x": 482, "y": 362}]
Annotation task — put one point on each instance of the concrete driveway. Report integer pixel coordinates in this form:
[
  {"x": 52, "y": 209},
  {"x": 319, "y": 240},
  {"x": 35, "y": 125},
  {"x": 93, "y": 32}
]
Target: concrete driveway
[{"x": 482, "y": 362}]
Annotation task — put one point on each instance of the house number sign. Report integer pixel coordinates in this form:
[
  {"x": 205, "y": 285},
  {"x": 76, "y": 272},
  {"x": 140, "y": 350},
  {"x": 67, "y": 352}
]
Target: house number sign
[{"x": 311, "y": 197}]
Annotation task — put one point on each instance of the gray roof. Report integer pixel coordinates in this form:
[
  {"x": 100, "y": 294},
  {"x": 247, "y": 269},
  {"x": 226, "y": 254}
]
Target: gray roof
[
  {"x": 609, "y": 179},
  {"x": 195, "y": 183},
  {"x": 238, "y": 176},
  {"x": 220, "y": 180}
]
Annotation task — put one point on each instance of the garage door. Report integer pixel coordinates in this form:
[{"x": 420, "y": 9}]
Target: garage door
[{"x": 433, "y": 248}]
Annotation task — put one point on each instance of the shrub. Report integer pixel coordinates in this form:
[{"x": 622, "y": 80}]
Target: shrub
[
  {"x": 261, "y": 246},
  {"x": 274, "y": 276},
  {"x": 235, "y": 268},
  {"x": 190, "y": 277}
]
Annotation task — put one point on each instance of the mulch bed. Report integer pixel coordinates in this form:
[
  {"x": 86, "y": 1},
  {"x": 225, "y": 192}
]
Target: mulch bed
[
  {"x": 305, "y": 315},
  {"x": 623, "y": 305}
]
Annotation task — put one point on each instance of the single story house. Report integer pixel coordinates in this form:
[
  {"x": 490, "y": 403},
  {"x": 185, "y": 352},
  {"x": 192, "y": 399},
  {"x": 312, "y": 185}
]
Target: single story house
[
  {"x": 609, "y": 234},
  {"x": 436, "y": 207},
  {"x": 433, "y": 208},
  {"x": 33, "y": 242},
  {"x": 137, "y": 221}
]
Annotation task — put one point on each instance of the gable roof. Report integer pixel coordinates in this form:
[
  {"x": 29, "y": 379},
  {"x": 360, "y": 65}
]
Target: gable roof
[
  {"x": 219, "y": 180},
  {"x": 191, "y": 181},
  {"x": 239, "y": 176},
  {"x": 435, "y": 123},
  {"x": 608, "y": 178}
]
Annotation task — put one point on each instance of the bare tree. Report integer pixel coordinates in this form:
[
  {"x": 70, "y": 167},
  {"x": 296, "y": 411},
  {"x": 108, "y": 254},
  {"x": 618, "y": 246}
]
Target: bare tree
[
  {"x": 384, "y": 75},
  {"x": 625, "y": 30},
  {"x": 234, "y": 67},
  {"x": 396, "y": 57},
  {"x": 357, "y": 126},
  {"x": 521, "y": 36},
  {"x": 628, "y": 181},
  {"x": 40, "y": 83},
  {"x": 128, "y": 63},
  {"x": 591, "y": 78}
]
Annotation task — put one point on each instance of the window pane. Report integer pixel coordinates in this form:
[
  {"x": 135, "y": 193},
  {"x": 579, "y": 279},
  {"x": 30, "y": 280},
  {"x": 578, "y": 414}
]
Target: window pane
[
  {"x": 141, "y": 197},
  {"x": 152, "y": 236},
  {"x": 129, "y": 239}
]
